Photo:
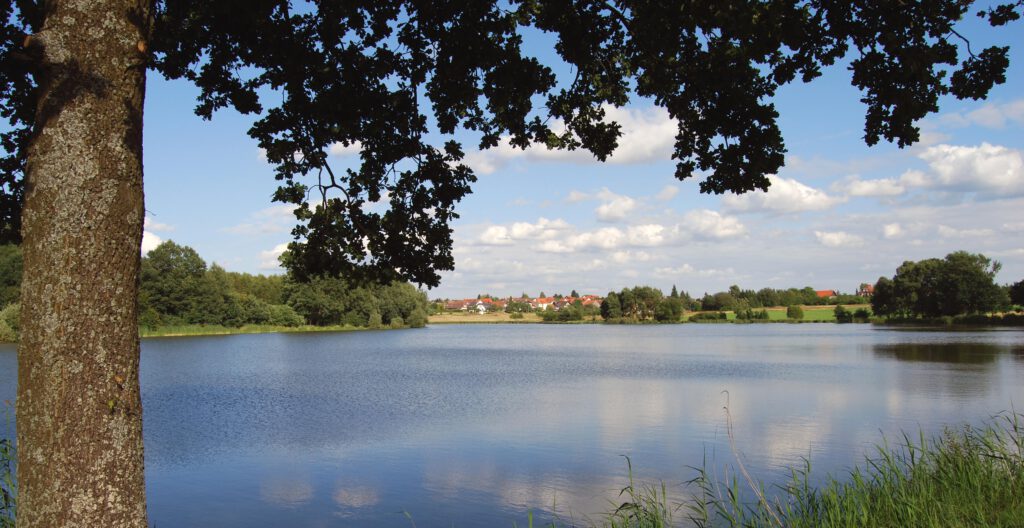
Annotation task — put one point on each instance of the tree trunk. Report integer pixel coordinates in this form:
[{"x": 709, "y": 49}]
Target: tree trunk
[{"x": 79, "y": 414}]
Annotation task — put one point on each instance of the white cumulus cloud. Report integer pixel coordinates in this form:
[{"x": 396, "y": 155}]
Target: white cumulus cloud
[
  {"x": 341, "y": 150},
  {"x": 543, "y": 229},
  {"x": 269, "y": 259},
  {"x": 880, "y": 187},
  {"x": 274, "y": 219},
  {"x": 893, "y": 230},
  {"x": 648, "y": 134},
  {"x": 951, "y": 232},
  {"x": 785, "y": 195},
  {"x": 149, "y": 242},
  {"x": 837, "y": 239},
  {"x": 616, "y": 207},
  {"x": 986, "y": 169},
  {"x": 151, "y": 225},
  {"x": 667, "y": 193},
  {"x": 708, "y": 224}
]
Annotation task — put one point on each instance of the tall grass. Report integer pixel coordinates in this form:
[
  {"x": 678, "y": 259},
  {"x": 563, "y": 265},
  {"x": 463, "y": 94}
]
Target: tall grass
[
  {"x": 964, "y": 477},
  {"x": 8, "y": 490}
]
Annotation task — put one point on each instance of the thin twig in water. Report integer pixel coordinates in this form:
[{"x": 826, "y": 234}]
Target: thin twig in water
[{"x": 743, "y": 470}]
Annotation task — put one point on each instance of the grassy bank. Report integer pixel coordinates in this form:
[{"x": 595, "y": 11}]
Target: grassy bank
[
  {"x": 468, "y": 317},
  {"x": 201, "y": 330},
  {"x": 777, "y": 314}
]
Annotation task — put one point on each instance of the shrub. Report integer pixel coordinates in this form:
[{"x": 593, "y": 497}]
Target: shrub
[
  {"x": 11, "y": 315},
  {"x": 516, "y": 315},
  {"x": 397, "y": 322},
  {"x": 861, "y": 315},
  {"x": 374, "y": 320},
  {"x": 7, "y": 335},
  {"x": 150, "y": 319},
  {"x": 283, "y": 315},
  {"x": 795, "y": 312},
  {"x": 418, "y": 318},
  {"x": 843, "y": 315},
  {"x": 709, "y": 316}
]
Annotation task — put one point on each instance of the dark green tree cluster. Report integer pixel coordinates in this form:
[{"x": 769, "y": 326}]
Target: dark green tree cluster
[
  {"x": 737, "y": 299},
  {"x": 642, "y": 303},
  {"x": 10, "y": 274},
  {"x": 330, "y": 301},
  {"x": 513, "y": 306},
  {"x": 1016, "y": 293},
  {"x": 845, "y": 315},
  {"x": 961, "y": 283},
  {"x": 750, "y": 314},
  {"x": 177, "y": 287}
]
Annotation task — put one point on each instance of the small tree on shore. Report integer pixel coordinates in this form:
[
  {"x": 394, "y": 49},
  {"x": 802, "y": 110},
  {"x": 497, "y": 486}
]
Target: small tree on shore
[{"x": 794, "y": 312}]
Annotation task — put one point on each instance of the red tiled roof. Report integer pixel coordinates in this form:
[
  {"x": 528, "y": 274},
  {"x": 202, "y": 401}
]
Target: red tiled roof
[{"x": 825, "y": 293}]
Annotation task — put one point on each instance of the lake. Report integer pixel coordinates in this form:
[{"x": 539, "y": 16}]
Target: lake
[{"x": 477, "y": 425}]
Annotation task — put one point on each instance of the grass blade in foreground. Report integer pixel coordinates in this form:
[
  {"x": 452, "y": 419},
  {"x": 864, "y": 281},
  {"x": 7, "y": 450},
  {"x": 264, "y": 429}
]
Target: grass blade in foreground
[{"x": 965, "y": 477}]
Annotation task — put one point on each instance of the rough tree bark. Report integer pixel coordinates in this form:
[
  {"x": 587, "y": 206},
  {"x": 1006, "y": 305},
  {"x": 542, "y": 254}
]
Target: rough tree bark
[{"x": 79, "y": 415}]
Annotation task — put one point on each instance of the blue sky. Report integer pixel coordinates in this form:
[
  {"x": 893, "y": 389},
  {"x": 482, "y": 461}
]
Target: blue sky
[{"x": 838, "y": 214}]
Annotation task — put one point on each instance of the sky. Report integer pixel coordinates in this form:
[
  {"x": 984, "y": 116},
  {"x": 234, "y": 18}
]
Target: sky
[{"x": 838, "y": 214}]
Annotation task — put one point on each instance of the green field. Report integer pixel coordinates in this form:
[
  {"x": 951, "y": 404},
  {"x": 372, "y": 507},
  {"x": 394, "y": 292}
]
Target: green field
[{"x": 824, "y": 314}]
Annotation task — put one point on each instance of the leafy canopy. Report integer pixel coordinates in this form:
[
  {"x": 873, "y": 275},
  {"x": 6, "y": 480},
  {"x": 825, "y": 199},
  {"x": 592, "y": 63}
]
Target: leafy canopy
[{"x": 389, "y": 77}]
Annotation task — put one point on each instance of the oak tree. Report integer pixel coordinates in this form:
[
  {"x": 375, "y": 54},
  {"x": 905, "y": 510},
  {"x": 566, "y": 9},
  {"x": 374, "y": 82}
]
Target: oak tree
[{"x": 395, "y": 80}]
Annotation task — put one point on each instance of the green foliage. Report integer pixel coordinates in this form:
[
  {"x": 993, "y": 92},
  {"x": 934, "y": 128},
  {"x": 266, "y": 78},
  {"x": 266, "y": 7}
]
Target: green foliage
[
  {"x": 8, "y": 486},
  {"x": 178, "y": 289},
  {"x": 418, "y": 318},
  {"x": 514, "y": 307},
  {"x": 611, "y": 307},
  {"x": 709, "y": 317},
  {"x": 1016, "y": 293},
  {"x": 843, "y": 315},
  {"x": 267, "y": 288},
  {"x": 10, "y": 274},
  {"x": 429, "y": 71},
  {"x": 173, "y": 283},
  {"x": 861, "y": 315},
  {"x": 966, "y": 477},
  {"x": 374, "y": 320},
  {"x": 961, "y": 283},
  {"x": 9, "y": 318},
  {"x": 325, "y": 301},
  {"x": 516, "y": 315},
  {"x": 794, "y": 312},
  {"x": 750, "y": 314},
  {"x": 283, "y": 315},
  {"x": 149, "y": 318},
  {"x": 573, "y": 312},
  {"x": 670, "y": 309}
]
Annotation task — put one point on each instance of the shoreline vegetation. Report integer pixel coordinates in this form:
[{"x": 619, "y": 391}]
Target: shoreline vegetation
[
  {"x": 776, "y": 315},
  {"x": 964, "y": 477}
]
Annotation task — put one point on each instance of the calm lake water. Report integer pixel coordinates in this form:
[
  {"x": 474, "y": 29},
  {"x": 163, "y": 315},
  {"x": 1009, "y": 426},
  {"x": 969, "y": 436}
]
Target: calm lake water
[{"x": 476, "y": 425}]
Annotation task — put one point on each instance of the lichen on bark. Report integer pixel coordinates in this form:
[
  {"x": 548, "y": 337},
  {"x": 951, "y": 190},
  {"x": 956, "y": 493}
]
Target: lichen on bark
[{"x": 81, "y": 457}]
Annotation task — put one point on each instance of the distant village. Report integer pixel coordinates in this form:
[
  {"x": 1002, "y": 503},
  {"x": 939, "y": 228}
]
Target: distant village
[{"x": 487, "y": 303}]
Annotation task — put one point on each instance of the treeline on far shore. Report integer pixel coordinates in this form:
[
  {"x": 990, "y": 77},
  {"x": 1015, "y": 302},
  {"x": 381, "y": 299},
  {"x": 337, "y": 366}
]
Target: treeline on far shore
[
  {"x": 177, "y": 289},
  {"x": 957, "y": 289}
]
